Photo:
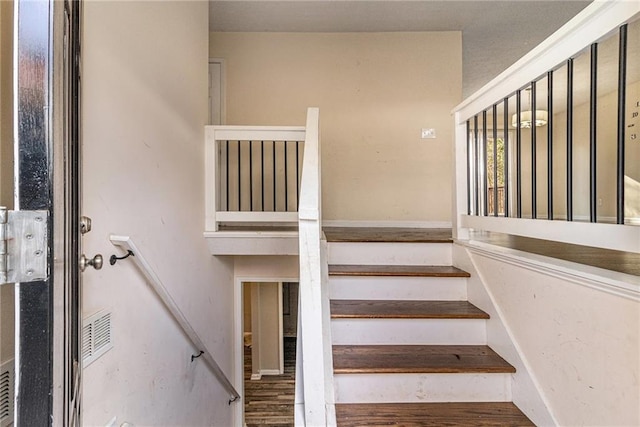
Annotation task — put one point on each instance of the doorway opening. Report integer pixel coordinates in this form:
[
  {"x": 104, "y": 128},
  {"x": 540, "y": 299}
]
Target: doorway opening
[{"x": 269, "y": 336}]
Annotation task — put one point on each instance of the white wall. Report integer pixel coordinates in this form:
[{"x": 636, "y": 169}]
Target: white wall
[
  {"x": 375, "y": 92},
  {"x": 144, "y": 110},
  {"x": 580, "y": 344}
]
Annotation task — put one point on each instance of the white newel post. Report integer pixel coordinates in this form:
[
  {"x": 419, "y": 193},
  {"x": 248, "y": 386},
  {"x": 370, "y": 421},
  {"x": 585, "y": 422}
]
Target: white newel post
[{"x": 460, "y": 179}]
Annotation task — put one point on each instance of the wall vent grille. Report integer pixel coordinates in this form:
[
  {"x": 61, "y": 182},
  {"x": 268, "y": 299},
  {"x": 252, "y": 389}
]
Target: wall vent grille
[
  {"x": 7, "y": 378},
  {"x": 96, "y": 336}
]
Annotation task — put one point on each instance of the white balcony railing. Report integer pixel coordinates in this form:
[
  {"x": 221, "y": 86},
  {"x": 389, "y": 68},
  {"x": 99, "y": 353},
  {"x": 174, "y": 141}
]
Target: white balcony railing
[
  {"x": 253, "y": 175},
  {"x": 567, "y": 179}
]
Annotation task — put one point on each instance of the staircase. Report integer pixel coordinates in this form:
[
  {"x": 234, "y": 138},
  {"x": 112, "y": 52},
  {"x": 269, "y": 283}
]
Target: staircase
[{"x": 408, "y": 349}]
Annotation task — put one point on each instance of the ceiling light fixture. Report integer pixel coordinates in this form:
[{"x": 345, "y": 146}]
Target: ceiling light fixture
[
  {"x": 525, "y": 116},
  {"x": 526, "y": 121}
]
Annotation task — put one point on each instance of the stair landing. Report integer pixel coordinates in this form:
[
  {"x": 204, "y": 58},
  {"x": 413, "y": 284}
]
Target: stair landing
[{"x": 388, "y": 234}]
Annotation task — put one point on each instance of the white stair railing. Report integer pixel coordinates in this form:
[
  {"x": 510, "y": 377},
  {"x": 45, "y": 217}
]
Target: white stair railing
[
  {"x": 315, "y": 336},
  {"x": 154, "y": 281},
  {"x": 495, "y": 114}
]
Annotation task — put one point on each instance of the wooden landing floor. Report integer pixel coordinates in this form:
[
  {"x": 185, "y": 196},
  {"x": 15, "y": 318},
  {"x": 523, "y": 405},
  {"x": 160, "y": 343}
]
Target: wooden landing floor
[
  {"x": 622, "y": 262},
  {"x": 270, "y": 400},
  {"x": 382, "y": 234}
]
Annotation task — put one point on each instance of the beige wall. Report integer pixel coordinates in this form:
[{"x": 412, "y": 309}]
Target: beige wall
[
  {"x": 606, "y": 162},
  {"x": 606, "y": 159},
  {"x": 246, "y": 307},
  {"x": 144, "y": 110},
  {"x": 6, "y": 168},
  {"x": 375, "y": 92},
  {"x": 269, "y": 338},
  {"x": 6, "y": 110},
  {"x": 261, "y": 310}
]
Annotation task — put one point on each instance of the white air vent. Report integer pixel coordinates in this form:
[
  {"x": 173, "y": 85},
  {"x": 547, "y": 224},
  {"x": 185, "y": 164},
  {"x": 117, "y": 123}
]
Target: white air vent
[
  {"x": 6, "y": 393},
  {"x": 96, "y": 336}
]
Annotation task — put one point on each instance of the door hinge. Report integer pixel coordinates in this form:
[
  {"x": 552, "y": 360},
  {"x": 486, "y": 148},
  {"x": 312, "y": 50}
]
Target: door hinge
[{"x": 23, "y": 246}]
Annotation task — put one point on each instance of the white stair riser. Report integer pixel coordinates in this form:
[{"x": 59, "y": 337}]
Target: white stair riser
[
  {"x": 409, "y": 331},
  {"x": 398, "y": 288},
  {"x": 390, "y": 253},
  {"x": 372, "y": 388}
]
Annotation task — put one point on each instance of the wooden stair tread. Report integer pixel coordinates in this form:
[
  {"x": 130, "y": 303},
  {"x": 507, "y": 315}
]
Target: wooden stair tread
[
  {"x": 417, "y": 359},
  {"x": 449, "y": 414},
  {"x": 387, "y": 235},
  {"x": 397, "y": 270},
  {"x": 395, "y": 309}
]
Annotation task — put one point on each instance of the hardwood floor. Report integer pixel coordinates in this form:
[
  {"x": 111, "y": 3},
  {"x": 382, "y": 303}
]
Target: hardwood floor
[
  {"x": 396, "y": 270},
  {"x": 270, "y": 400},
  {"x": 404, "y": 359},
  {"x": 398, "y": 309},
  {"x": 622, "y": 262},
  {"x": 478, "y": 414},
  {"x": 388, "y": 234}
]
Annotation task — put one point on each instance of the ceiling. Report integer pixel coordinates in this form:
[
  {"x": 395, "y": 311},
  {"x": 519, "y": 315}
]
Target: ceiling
[{"x": 495, "y": 34}]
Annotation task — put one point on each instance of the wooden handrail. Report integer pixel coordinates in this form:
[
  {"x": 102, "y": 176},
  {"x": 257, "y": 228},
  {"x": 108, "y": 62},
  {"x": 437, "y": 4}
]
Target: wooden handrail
[{"x": 154, "y": 281}]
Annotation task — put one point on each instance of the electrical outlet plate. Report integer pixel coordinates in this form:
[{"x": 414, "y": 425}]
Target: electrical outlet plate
[{"x": 428, "y": 133}]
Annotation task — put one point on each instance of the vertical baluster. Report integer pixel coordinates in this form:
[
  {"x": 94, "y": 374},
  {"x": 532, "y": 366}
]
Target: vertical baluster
[
  {"x": 228, "y": 177},
  {"x": 485, "y": 184},
  {"x": 534, "y": 186},
  {"x": 262, "y": 173},
  {"x": 251, "y": 176},
  {"x": 468, "y": 167},
  {"x": 494, "y": 112},
  {"x": 239, "y": 176},
  {"x": 286, "y": 180},
  {"x": 570, "y": 139},
  {"x": 505, "y": 158},
  {"x": 593, "y": 193},
  {"x": 550, "y": 145},
  {"x": 273, "y": 146},
  {"x": 519, "y": 154},
  {"x": 622, "y": 87},
  {"x": 297, "y": 173},
  {"x": 476, "y": 172}
]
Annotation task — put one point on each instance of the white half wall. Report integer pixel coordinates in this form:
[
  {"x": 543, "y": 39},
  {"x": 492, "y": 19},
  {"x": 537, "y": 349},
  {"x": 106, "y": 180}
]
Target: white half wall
[
  {"x": 144, "y": 108},
  {"x": 576, "y": 347}
]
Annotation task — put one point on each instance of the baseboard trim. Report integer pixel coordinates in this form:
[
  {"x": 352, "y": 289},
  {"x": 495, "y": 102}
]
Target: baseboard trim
[
  {"x": 270, "y": 372},
  {"x": 390, "y": 224}
]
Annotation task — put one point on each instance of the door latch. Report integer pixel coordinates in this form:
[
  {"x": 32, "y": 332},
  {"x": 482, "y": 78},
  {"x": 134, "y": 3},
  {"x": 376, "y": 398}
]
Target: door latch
[{"x": 23, "y": 246}]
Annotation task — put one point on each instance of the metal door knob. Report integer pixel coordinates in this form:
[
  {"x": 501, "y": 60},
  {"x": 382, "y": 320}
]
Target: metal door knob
[{"x": 95, "y": 262}]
